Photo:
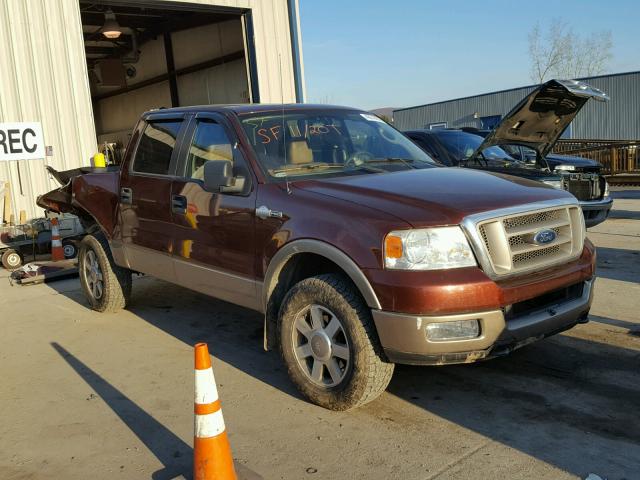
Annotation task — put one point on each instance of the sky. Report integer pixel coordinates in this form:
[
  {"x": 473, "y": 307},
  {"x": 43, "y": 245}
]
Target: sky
[{"x": 399, "y": 53}]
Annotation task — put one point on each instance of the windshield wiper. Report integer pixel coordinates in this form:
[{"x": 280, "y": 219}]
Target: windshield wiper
[
  {"x": 306, "y": 166},
  {"x": 389, "y": 160},
  {"x": 406, "y": 161}
]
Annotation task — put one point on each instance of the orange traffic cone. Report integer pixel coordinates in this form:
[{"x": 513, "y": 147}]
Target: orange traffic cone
[
  {"x": 212, "y": 458},
  {"x": 57, "y": 252}
]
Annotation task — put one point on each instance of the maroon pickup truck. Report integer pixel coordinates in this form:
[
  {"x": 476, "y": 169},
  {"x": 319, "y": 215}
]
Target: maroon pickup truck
[{"x": 360, "y": 250}]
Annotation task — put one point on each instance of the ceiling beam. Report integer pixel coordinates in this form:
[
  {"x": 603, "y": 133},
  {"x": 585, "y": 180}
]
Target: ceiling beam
[
  {"x": 100, "y": 50},
  {"x": 165, "y": 76},
  {"x": 132, "y": 22},
  {"x": 175, "y": 25}
]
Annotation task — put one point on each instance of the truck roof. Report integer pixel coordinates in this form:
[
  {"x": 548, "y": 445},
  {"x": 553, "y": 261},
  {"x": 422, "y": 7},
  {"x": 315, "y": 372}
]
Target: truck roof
[{"x": 251, "y": 108}]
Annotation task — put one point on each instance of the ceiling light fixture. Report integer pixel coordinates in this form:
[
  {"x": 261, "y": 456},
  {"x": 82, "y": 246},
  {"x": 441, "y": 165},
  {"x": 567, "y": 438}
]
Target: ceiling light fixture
[{"x": 111, "y": 28}]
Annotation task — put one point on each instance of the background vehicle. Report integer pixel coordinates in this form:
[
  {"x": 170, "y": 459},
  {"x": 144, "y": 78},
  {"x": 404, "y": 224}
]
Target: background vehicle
[
  {"x": 527, "y": 134},
  {"x": 360, "y": 251},
  {"x": 19, "y": 243},
  {"x": 456, "y": 148},
  {"x": 580, "y": 176}
]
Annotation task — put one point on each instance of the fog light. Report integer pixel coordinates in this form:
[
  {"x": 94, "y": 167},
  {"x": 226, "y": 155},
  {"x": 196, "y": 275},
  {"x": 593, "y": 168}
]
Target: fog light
[{"x": 458, "y": 330}]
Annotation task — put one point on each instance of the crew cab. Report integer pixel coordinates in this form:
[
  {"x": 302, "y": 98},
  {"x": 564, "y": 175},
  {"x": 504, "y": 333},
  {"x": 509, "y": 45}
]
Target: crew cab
[
  {"x": 360, "y": 250},
  {"x": 521, "y": 145}
]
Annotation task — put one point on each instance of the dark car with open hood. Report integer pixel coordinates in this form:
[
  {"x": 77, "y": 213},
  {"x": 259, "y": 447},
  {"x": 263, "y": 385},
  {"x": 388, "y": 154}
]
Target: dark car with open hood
[
  {"x": 360, "y": 250},
  {"x": 521, "y": 145}
]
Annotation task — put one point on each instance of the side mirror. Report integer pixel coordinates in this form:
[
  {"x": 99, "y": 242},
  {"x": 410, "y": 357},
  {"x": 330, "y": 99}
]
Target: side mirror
[{"x": 218, "y": 177}]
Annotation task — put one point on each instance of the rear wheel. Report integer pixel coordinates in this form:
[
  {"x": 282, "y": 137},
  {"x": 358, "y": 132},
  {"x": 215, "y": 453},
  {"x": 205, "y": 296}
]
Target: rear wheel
[
  {"x": 330, "y": 345},
  {"x": 11, "y": 259},
  {"x": 106, "y": 285}
]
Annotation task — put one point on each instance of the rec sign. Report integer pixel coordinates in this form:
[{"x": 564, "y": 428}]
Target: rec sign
[{"x": 21, "y": 141}]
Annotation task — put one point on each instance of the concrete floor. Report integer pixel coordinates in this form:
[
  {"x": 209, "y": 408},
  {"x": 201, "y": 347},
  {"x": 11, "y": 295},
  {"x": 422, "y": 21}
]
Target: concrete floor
[{"x": 89, "y": 395}]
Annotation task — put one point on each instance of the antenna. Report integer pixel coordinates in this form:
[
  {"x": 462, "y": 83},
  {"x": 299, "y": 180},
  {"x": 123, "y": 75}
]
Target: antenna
[{"x": 284, "y": 131}]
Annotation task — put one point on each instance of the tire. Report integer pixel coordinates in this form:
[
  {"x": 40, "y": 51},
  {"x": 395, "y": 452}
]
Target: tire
[
  {"x": 70, "y": 249},
  {"x": 106, "y": 285},
  {"x": 11, "y": 259},
  {"x": 360, "y": 377}
]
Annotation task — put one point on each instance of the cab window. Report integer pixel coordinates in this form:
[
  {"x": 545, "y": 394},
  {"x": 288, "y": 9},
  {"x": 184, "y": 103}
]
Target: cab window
[
  {"x": 210, "y": 142},
  {"x": 156, "y": 146}
]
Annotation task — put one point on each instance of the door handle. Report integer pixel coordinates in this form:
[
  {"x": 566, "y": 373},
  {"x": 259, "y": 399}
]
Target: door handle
[
  {"x": 178, "y": 204},
  {"x": 126, "y": 195}
]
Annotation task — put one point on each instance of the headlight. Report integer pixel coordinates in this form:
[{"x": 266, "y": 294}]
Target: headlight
[
  {"x": 606, "y": 188},
  {"x": 554, "y": 183},
  {"x": 427, "y": 249},
  {"x": 566, "y": 168}
]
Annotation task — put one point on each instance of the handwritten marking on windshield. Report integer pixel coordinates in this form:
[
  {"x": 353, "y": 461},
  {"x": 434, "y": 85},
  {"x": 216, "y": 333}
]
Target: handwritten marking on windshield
[{"x": 267, "y": 135}]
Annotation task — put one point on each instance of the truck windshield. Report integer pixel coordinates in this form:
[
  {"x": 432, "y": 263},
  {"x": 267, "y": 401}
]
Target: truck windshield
[
  {"x": 322, "y": 143},
  {"x": 461, "y": 146}
]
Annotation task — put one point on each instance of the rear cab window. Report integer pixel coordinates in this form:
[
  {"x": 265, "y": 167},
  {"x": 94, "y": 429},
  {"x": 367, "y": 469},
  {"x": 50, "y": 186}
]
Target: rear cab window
[{"x": 155, "y": 147}]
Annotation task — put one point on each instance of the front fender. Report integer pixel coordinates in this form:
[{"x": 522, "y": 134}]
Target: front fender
[{"x": 323, "y": 249}]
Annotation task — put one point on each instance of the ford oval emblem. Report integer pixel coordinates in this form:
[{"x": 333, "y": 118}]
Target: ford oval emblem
[{"x": 544, "y": 236}]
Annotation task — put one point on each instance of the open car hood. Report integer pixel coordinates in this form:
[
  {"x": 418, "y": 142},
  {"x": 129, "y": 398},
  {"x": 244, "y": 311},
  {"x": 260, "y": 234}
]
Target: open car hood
[{"x": 540, "y": 118}]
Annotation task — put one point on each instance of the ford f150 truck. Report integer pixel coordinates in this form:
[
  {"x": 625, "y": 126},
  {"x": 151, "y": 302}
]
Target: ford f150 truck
[{"x": 360, "y": 250}]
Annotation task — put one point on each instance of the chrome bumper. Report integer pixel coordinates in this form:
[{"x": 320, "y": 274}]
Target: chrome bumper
[
  {"x": 404, "y": 339},
  {"x": 596, "y": 211}
]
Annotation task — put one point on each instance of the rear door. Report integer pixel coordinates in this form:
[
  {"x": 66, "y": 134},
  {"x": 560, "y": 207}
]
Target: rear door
[
  {"x": 214, "y": 239},
  {"x": 145, "y": 196}
]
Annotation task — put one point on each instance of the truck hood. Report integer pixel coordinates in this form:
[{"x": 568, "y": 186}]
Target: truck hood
[
  {"x": 540, "y": 118},
  {"x": 434, "y": 196}
]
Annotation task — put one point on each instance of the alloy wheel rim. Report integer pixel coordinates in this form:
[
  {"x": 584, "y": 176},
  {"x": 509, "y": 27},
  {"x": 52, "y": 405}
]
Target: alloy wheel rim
[
  {"x": 321, "y": 346},
  {"x": 68, "y": 250},
  {"x": 93, "y": 275}
]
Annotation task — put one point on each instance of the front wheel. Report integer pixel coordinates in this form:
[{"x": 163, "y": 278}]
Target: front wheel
[
  {"x": 329, "y": 344},
  {"x": 106, "y": 285}
]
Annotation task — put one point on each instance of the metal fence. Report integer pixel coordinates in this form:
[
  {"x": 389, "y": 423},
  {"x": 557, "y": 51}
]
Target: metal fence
[{"x": 617, "y": 156}]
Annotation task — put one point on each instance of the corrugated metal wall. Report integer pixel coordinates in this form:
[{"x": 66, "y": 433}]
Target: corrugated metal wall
[
  {"x": 43, "y": 78},
  {"x": 618, "y": 119}
]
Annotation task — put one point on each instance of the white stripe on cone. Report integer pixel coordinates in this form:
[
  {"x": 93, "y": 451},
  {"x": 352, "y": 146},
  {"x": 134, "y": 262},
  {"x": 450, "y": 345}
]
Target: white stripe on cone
[
  {"x": 56, "y": 243},
  {"x": 206, "y": 390},
  {"x": 209, "y": 425}
]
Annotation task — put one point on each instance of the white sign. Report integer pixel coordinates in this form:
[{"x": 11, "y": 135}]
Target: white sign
[{"x": 21, "y": 141}]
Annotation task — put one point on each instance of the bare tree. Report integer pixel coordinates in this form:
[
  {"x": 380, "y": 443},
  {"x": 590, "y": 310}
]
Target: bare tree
[{"x": 559, "y": 52}]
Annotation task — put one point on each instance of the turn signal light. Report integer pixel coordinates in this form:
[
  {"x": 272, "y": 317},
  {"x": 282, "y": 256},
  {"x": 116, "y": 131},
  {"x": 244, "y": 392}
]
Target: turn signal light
[{"x": 393, "y": 246}]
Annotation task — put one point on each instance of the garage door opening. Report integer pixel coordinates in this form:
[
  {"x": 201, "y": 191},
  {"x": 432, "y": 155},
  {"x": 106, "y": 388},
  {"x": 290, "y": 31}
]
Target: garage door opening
[{"x": 141, "y": 57}]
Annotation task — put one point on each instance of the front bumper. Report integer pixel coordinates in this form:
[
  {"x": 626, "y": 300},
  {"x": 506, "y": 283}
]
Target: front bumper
[
  {"x": 596, "y": 211},
  {"x": 404, "y": 339}
]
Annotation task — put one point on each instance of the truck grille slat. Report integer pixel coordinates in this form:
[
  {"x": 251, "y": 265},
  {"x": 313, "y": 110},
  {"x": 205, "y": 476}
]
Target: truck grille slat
[
  {"x": 583, "y": 186},
  {"x": 526, "y": 247},
  {"x": 508, "y": 240}
]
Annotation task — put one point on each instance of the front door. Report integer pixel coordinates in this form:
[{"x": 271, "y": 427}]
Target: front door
[
  {"x": 214, "y": 234},
  {"x": 145, "y": 197}
]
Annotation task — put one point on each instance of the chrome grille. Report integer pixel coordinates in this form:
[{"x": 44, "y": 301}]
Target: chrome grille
[
  {"x": 507, "y": 241},
  {"x": 583, "y": 186}
]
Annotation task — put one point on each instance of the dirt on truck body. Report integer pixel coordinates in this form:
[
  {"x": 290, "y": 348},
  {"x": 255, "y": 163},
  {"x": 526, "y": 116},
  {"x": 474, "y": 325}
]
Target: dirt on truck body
[{"x": 360, "y": 250}]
